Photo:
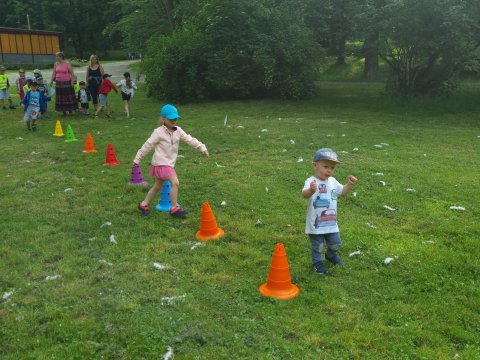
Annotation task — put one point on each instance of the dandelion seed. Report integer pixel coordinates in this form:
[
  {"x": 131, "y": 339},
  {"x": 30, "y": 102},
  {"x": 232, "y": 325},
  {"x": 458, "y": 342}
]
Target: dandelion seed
[
  {"x": 355, "y": 149},
  {"x": 292, "y": 141},
  {"x": 224, "y": 203},
  {"x": 388, "y": 260},
  {"x": 284, "y": 150},
  {"x": 389, "y": 208},
  {"x": 354, "y": 194},
  {"x": 240, "y": 127},
  {"x": 379, "y": 174},
  {"x": 68, "y": 190},
  {"x": 159, "y": 266},
  {"x": 258, "y": 223},
  {"x": 264, "y": 130},
  {"x": 169, "y": 354},
  {"x": 108, "y": 223},
  {"x": 300, "y": 160},
  {"x": 218, "y": 165},
  {"x": 112, "y": 239},
  {"x": 19, "y": 138},
  {"x": 355, "y": 253},
  {"x": 410, "y": 190},
  {"x": 105, "y": 262},
  {"x": 460, "y": 208},
  {"x": 343, "y": 135},
  {"x": 53, "y": 277}
]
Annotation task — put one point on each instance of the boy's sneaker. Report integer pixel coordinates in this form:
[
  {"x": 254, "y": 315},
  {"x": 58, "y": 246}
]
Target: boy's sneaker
[
  {"x": 143, "y": 209},
  {"x": 177, "y": 211},
  {"x": 320, "y": 268},
  {"x": 34, "y": 127},
  {"x": 334, "y": 259}
]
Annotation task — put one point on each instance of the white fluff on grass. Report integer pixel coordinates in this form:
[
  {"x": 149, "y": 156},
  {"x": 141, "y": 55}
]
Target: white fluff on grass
[
  {"x": 224, "y": 203},
  {"x": 384, "y": 144},
  {"x": 266, "y": 189},
  {"x": 108, "y": 223},
  {"x": 169, "y": 300},
  {"x": 382, "y": 183},
  {"x": 197, "y": 244},
  {"x": 355, "y": 149},
  {"x": 354, "y": 194},
  {"x": 300, "y": 160},
  {"x": 264, "y": 130},
  {"x": 112, "y": 239},
  {"x": 379, "y": 174},
  {"x": 355, "y": 253},
  {"x": 378, "y": 146},
  {"x": 19, "y": 138},
  {"x": 389, "y": 208},
  {"x": 460, "y": 208},
  {"x": 284, "y": 150},
  {"x": 292, "y": 141},
  {"x": 410, "y": 190},
  {"x": 169, "y": 354},
  {"x": 240, "y": 127},
  {"x": 7, "y": 294},
  {"x": 371, "y": 226},
  {"x": 388, "y": 260},
  {"x": 218, "y": 165},
  {"x": 52, "y": 277},
  {"x": 102, "y": 261},
  {"x": 160, "y": 266}
]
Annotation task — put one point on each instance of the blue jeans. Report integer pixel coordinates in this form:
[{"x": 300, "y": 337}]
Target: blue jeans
[{"x": 333, "y": 244}]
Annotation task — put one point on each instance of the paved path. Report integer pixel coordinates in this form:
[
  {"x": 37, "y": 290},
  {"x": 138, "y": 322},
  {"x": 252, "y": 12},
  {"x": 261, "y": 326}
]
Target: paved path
[{"x": 116, "y": 69}]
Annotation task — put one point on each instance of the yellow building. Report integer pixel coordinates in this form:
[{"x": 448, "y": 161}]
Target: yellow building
[{"x": 21, "y": 46}]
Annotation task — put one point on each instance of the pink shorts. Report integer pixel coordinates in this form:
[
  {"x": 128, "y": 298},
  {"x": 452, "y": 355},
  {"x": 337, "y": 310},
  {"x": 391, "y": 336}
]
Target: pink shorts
[{"x": 162, "y": 172}]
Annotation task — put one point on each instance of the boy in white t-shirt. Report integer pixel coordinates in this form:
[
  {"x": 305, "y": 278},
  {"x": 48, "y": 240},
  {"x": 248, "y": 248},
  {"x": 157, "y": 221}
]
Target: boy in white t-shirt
[{"x": 322, "y": 191}]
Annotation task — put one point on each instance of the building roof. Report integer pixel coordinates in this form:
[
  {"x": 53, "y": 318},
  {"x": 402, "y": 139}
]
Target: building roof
[{"x": 6, "y": 30}]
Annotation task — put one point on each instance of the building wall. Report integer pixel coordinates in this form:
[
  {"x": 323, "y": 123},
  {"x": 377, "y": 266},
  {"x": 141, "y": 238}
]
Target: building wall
[{"x": 28, "y": 48}]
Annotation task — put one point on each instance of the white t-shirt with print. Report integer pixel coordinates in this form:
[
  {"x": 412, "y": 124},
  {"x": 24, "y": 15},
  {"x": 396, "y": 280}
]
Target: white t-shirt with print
[{"x": 322, "y": 206}]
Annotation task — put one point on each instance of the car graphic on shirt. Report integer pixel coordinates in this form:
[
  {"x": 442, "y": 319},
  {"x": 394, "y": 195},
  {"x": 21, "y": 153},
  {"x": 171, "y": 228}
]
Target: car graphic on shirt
[
  {"x": 326, "y": 218},
  {"x": 321, "y": 203}
]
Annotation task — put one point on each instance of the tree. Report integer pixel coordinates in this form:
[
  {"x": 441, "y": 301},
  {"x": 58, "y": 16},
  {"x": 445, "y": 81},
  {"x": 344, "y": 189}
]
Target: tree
[{"x": 426, "y": 43}]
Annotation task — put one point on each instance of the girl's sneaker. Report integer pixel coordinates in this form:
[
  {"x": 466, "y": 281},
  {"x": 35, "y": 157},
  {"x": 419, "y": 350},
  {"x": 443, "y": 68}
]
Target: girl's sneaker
[
  {"x": 177, "y": 211},
  {"x": 143, "y": 209}
]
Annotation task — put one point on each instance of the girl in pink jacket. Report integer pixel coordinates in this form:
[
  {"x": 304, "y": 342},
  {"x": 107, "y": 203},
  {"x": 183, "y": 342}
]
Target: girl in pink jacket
[{"x": 165, "y": 140}]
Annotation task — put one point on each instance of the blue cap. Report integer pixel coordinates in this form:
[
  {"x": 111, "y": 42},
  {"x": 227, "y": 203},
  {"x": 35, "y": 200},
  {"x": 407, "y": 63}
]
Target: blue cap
[
  {"x": 326, "y": 154},
  {"x": 170, "y": 112}
]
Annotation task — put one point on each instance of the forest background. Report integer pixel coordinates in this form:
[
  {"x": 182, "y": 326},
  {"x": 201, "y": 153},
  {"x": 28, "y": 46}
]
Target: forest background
[{"x": 197, "y": 50}]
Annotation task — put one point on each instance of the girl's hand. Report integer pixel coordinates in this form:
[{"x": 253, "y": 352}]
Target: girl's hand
[
  {"x": 206, "y": 154},
  {"x": 313, "y": 185},
  {"x": 352, "y": 179}
]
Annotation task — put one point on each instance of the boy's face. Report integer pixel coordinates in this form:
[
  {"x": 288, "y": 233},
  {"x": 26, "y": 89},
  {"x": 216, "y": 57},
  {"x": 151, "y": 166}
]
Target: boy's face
[
  {"x": 33, "y": 88},
  {"x": 21, "y": 73},
  {"x": 169, "y": 123},
  {"x": 324, "y": 168}
]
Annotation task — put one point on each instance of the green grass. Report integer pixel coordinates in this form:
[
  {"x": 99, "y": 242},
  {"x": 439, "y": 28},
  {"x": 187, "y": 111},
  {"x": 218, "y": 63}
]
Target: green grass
[{"x": 107, "y": 302}]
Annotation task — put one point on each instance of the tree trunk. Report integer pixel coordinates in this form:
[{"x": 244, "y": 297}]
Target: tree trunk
[
  {"x": 340, "y": 50},
  {"x": 370, "y": 51}
]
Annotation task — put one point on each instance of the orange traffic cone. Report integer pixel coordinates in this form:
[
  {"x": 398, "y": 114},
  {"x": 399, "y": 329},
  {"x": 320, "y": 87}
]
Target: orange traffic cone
[
  {"x": 58, "y": 129},
  {"x": 208, "y": 225},
  {"x": 279, "y": 283},
  {"x": 89, "y": 147},
  {"x": 111, "y": 157}
]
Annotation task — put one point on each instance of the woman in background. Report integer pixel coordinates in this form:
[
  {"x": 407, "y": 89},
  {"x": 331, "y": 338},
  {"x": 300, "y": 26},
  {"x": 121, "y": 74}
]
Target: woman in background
[
  {"x": 94, "y": 78},
  {"x": 65, "y": 99}
]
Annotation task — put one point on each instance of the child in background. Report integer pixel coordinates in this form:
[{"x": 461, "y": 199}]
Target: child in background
[
  {"x": 322, "y": 191},
  {"x": 42, "y": 89},
  {"x": 36, "y": 74},
  {"x": 20, "y": 83},
  {"x": 31, "y": 105},
  {"x": 105, "y": 87},
  {"x": 4, "y": 85},
  {"x": 84, "y": 97},
  {"x": 26, "y": 87},
  {"x": 165, "y": 140},
  {"x": 127, "y": 88}
]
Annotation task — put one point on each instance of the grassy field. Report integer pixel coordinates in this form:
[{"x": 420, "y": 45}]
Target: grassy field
[{"x": 78, "y": 279}]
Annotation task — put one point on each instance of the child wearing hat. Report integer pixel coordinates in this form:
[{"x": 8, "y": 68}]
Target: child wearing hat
[
  {"x": 165, "y": 140},
  {"x": 322, "y": 191},
  {"x": 31, "y": 104},
  {"x": 4, "y": 85},
  {"x": 84, "y": 97},
  {"x": 105, "y": 87}
]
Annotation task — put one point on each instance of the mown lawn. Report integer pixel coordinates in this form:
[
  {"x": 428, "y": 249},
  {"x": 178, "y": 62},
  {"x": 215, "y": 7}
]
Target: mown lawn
[{"x": 78, "y": 279}]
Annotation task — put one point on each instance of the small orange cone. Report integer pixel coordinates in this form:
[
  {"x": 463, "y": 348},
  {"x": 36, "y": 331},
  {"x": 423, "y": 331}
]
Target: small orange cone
[
  {"x": 58, "y": 129},
  {"x": 89, "y": 147},
  {"x": 279, "y": 284},
  {"x": 111, "y": 157},
  {"x": 208, "y": 225}
]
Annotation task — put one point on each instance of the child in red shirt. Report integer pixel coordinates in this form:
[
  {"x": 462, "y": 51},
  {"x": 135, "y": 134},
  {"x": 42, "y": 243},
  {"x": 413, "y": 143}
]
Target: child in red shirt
[{"x": 105, "y": 87}]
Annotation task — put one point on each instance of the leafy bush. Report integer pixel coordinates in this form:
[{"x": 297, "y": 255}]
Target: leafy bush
[{"x": 233, "y": 51}]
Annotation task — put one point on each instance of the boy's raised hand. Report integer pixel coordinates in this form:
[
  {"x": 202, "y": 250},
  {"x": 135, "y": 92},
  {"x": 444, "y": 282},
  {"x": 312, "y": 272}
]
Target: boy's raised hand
[
  {"x": 352, "y": 179},
  {"x": 313, "y": 185}
]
